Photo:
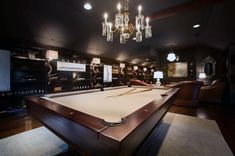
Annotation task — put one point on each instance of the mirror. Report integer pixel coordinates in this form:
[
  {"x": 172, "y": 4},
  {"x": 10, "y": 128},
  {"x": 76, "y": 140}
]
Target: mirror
[{"x": 208, "y": 66}]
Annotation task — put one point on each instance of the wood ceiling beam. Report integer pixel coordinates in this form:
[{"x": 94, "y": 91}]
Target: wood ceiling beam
[{"x": 185, "y": 7}]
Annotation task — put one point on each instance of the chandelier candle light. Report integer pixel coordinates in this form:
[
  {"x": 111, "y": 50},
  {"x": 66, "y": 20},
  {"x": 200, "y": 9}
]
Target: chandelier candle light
[{"x": 124, "y": 27}]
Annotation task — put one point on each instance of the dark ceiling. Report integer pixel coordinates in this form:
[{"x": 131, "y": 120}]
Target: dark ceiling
[{"x": 65, "y": 24}]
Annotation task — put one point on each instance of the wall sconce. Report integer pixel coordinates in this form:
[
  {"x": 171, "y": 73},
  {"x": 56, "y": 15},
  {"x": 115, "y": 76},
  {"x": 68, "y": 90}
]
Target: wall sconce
[
  {"x": 51, "y": 55},
  {"x": 144, "y": 69},
  {"x": 135, "y": 67},
  {"x": 177, "y": 58},
  {"x": 95, "y": 61},
  {"x": 171, "y": 57},
  {"x": 122, "y": 65}
]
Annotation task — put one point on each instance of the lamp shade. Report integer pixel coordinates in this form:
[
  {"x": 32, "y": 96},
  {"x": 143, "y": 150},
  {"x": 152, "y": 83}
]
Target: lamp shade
[
  {"x": 122, "y": 65},
  {"x": 158, "y": 75},
  {"x": 52, "y": 54},
  {"x": 202, "y": 75},
  {"x": 171, "y": 57},
  {"x": 96, "y": 60}
]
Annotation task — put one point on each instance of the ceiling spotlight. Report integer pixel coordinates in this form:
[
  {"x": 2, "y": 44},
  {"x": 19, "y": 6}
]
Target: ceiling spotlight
[
  {"x": 196, "y": 26},
  {"x": 87, "y": 6}
]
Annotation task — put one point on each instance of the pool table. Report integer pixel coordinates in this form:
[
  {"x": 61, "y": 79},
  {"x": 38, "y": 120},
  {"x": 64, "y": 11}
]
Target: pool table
[{"x": 114, "y": 121}]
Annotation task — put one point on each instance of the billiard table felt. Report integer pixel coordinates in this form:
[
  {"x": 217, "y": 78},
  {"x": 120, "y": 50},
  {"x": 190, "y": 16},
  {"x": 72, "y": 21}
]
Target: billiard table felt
[{"x": 109, "y": 104}]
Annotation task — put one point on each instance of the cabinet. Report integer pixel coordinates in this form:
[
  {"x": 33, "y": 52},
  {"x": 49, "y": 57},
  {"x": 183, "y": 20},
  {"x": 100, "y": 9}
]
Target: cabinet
[
  {"x": 68, "y": 80},
  {"x": 28, "y": 76}
]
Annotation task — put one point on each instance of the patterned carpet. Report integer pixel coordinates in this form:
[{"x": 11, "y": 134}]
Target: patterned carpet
[
  {"x": 176, "y": 135},
  {"x": 181, "y": 135},
  {"x": 36, "y": 142}
]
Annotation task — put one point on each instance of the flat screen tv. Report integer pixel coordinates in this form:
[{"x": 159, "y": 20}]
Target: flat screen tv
[
  {"x": 178, "y": 69},
  {"x": 107, "y": 73},
  {"x": 5, "y": 66}
]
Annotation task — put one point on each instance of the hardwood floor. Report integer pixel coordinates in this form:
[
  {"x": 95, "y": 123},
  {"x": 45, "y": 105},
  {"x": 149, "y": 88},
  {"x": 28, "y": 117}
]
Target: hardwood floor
[
  {"x": 15, "y": 123},
  {"x": 12, "y": 124}
]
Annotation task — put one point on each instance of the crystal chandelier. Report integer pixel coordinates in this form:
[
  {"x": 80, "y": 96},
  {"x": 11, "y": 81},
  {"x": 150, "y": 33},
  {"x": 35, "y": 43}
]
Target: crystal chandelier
[{"x": 124, "y": 27}]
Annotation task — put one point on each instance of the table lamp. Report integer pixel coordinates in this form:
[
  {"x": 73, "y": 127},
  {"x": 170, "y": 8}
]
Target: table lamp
[
  {"x": 158, "y": 75},
  {"x": 202, "y": 75}
]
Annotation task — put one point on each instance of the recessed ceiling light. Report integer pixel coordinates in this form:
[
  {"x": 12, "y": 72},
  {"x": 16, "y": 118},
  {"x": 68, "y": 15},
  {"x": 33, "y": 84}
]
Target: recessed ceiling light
[
  {"x": 87, "y": 6},
  {"x": 196, "y": 26}
]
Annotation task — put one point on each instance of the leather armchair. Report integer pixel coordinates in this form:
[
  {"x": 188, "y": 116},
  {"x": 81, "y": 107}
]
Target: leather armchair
[
  {"x": 188, "y": 93},
  {"x": 212, "y": 93}
]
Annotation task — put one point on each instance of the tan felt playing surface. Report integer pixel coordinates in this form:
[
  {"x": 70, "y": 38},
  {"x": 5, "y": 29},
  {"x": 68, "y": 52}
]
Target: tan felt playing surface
[{"x": 112, "y": 103}]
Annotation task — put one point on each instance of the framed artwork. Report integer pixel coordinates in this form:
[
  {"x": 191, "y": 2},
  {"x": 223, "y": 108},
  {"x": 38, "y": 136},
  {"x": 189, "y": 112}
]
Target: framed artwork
[
  {"x": 107, "y": 75},
  {"x": 178, "y": 69}
]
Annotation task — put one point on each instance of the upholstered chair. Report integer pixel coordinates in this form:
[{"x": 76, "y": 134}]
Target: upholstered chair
[
  {"x": 213, "y": 93},
  {"x": 188, "y": 93}
]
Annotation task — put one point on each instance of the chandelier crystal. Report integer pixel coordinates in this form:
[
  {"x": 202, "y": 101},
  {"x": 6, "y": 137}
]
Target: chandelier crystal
[{"x": 123, "y": 26}]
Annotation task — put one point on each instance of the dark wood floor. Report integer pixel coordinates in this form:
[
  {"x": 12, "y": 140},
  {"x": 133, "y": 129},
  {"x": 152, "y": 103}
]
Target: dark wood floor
[
  {"x": 15, "y": 123},
  {"x": 225, "y": 117}
]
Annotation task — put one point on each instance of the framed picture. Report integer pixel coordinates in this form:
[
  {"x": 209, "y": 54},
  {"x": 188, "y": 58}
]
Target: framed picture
[
  {"x": 107, "y": 75},
  {"x": 178, "y": 69}
]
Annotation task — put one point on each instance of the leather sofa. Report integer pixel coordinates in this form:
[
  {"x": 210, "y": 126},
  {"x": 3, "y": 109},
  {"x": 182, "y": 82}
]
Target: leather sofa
[
  {"x": 188, "y": 93},
  {"x": 213, "y": 93}
]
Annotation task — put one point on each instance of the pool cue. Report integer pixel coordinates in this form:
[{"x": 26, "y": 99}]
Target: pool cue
[
  {"x": 130, "y": 92},
  {"x": 123, "y": 93},
  {"x": 139, "y": 91}
]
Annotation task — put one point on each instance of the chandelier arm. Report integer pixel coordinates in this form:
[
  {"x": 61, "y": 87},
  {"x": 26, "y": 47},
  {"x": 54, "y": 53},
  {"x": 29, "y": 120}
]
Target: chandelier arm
[{"x": 124, "y": 26}]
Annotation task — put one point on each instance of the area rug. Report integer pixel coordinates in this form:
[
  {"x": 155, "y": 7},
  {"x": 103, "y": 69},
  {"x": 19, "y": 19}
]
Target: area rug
[
  {"x": 181, "y": 135},
  {"x": 176, "y": 135},
  {"x": 36, "y": 142}
]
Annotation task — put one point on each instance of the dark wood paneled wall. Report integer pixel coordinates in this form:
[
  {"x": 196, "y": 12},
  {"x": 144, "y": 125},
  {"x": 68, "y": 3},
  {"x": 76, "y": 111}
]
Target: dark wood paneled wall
[{"x": 194, "y": 56}]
